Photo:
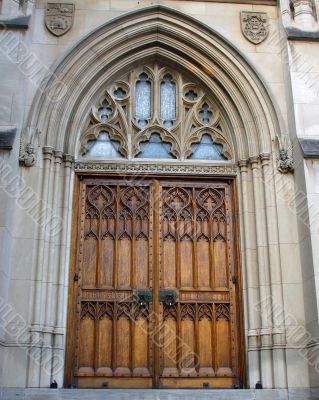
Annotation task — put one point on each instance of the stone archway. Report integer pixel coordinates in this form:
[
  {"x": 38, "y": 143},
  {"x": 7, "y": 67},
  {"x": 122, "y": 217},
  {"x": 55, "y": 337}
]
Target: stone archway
[{"x": 58, "y": 112}]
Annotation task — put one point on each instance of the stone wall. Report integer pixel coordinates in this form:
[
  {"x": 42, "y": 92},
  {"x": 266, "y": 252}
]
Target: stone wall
[{"x": 22, "y": 241}]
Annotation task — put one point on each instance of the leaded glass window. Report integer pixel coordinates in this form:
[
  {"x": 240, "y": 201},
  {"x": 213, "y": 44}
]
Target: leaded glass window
[
  {"x": 168, "y": 101},
  {"x": 143, "y": 100},
  {"x": 156, "y": 112},
  {"x": 206, "y": 149},
  {"x": 155, "y": 148},
  {"x": 103, "y": 147}
]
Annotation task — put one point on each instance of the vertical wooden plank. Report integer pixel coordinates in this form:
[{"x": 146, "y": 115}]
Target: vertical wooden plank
[
  {"x": 86, "y": 347},
  {"x": 142, "y": 263},
  {"x": 141, "y": 346},
  {"x": 124, "y": 263},
  {"x": 169, "y": 263},
  {"x": 221, "y": 263},
  {"x": 123, "y": 347},
  {"x": 203, "y": 260},
  {"x": 107, "y": 262},
  {"x": 105, "y": 347},
  {"x": 186, "y": 263}
]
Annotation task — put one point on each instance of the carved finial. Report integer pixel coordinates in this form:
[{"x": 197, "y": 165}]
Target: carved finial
[
  {"x": 285, "y": 160},
  {"x": 304, "y": 14}
]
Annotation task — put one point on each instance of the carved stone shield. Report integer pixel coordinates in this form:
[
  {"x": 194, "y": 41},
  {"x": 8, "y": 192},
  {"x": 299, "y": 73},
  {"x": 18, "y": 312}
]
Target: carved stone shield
[
  {"x": 59, "y": 17},
  {"x": 254, "y": 26}
]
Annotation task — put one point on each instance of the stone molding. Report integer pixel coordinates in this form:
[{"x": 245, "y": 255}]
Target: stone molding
[
  {"x": 155, "y": 168},
  {"x": 19, "y": 22}
]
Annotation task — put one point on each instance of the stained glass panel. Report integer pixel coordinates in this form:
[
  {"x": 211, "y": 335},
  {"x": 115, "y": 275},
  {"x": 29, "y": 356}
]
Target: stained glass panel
[
  {"x": 206, "y": 149},
  {"x": 155, "y": 148},
  {"x": 143, "y": 100},
  {"x": 103, "y": 146},
  {"x": 168, "y": 101}
]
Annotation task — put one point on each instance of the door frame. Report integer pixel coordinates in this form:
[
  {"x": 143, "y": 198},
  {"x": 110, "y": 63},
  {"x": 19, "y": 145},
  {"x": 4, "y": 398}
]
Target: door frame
[{"x": 70, "y": 331}]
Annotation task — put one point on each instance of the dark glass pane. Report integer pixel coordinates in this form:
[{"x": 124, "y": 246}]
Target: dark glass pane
[
  {"x": 155, "y": 148},
  {"x": 103, "y": 146},
  {"x": 168, "y": 101},
  {"x": 143, "y": 100},
  {"x": 205, "y": 114},
  {"x": 105, "y": 111},
  {"x": 119, "y": 93},
  {"x": 206, "y": 149},
  {"x": 191, "y": 95}
]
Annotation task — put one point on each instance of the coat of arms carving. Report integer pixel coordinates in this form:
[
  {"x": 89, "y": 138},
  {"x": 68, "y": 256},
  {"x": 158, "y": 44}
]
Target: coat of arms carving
[
  {"x": 254, "y": 26},
  {"x": 59, "y": 17}
]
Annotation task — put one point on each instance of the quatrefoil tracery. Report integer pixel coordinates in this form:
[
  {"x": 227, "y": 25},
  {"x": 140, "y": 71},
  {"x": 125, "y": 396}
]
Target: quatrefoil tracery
[{"x": 179, "y": 111}]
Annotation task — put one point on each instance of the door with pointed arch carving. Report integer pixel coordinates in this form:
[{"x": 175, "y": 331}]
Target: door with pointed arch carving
[{"x": 154, "y": 294}]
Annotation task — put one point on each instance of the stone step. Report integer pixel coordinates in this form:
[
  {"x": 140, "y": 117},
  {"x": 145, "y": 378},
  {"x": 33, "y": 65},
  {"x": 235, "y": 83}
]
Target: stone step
[{"x": 134, "y": 394}]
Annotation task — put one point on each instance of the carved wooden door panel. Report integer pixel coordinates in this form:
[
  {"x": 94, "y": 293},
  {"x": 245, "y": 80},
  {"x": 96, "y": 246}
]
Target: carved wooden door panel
[
  {"x": 197, "y": 287},
  {"x": 154, "y": 297},
  {"x": 112, "y": 340}
]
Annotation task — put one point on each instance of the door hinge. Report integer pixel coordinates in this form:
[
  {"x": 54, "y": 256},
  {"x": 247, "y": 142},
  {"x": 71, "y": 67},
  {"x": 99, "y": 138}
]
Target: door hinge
[{"x": 76, "y": 277}]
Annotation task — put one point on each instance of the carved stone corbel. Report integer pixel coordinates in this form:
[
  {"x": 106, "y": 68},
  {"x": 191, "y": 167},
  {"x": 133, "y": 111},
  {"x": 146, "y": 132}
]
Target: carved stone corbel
[
  {"x": 28, "y": 156},
  {"x": 28, "y": 148},
  {"x": 285, "y": 162}
]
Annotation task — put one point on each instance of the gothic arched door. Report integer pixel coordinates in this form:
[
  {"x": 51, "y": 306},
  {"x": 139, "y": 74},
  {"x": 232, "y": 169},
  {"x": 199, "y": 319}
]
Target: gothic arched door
[{"x": 155, "y": 284}]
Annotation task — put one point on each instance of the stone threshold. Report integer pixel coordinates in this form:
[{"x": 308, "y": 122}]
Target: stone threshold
[{"x": 139, "y": 394}]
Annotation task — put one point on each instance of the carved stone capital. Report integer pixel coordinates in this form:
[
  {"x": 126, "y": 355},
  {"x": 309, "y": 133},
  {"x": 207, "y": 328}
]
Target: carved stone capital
[
  {"x": 243, "y": 165},
  {"x": 254, "y": 162},
  {"x": 265, "y": 159},
  {"x": 58, "y": 155},
  {"x": 68, "y": 160}
]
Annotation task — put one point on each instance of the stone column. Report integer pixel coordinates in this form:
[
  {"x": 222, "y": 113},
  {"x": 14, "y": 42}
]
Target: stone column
[
  {"x": 53, "y": 232},
  {"x": 35, "y": 358},
  {"x": 263, "y": 273},
  {"x": 63, "y": 272},
  {"x": 251, "y": 275},
  {"x": 276, "y": 300}
]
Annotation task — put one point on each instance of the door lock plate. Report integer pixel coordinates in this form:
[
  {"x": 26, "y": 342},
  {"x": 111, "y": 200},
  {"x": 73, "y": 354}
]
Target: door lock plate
[
  {"x": 167, "y": 296},
  {"x": 143, "y": 295}
]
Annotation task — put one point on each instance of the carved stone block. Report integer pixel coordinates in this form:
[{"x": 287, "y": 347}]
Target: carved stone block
[{"x": 254, "y": 26}]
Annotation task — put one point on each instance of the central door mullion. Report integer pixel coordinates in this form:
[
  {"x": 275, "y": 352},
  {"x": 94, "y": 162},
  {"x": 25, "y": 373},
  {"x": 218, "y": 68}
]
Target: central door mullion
[{"x": 156, "y": 284}]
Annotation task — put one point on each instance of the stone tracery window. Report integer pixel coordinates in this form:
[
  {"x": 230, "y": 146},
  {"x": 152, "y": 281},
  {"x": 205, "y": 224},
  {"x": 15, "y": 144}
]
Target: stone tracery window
[{"x": 154, "y": 112}]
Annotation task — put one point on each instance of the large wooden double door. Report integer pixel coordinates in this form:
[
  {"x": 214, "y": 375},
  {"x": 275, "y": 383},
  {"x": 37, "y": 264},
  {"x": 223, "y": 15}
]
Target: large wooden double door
[{"x": 154, "y": 292}]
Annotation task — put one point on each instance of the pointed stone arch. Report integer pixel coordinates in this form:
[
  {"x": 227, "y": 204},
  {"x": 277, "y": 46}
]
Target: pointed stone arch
[
  {"x": 59, "y": 110},
  {"x": 157, "y": 31}
]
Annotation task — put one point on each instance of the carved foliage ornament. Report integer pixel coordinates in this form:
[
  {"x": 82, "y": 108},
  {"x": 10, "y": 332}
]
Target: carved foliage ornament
[
  {"x": 254, "y": 26},
  {"x": 59, "y": 17}
]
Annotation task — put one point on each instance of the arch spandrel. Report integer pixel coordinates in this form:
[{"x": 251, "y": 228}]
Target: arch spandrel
[{"x": 157, "y": 32}]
